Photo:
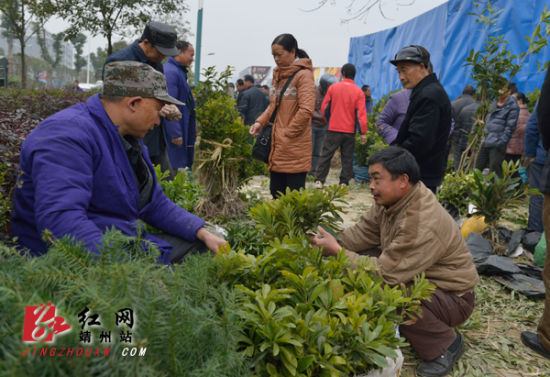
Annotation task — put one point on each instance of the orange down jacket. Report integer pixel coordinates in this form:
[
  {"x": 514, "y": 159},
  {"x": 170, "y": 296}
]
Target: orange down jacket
[{"x": 291, "y": 134}]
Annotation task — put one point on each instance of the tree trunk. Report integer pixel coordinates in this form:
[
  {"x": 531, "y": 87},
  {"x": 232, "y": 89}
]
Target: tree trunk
[
  {"x": 11, "y": 66},
  {"x": 109, "y": 44},
  {"x": 23, "y": 64}
]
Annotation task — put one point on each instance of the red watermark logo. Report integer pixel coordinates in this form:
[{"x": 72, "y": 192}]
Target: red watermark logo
[{"x": 42, "y": 323}]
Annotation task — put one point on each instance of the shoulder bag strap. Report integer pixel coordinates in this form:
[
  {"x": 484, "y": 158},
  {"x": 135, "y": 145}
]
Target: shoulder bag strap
[{"x": 274, "y": 114}]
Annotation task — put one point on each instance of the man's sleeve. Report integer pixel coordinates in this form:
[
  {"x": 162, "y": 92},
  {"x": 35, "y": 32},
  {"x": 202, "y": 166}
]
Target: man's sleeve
[
  {"x": 361, "y": 111},
  {"x": 422, "y": 126},
  {"x": 167, "y": 216},
  {"x": 62, "y": 173},
  {"x": 511, "y": 123},
  {"x": 385, "y": 120},
  {"x": 173, "y": 128},
  {"x": 543, "y": 111}
]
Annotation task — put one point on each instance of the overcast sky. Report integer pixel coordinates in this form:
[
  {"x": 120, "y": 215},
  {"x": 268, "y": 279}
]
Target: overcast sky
[{"x": 239, "y": 32}]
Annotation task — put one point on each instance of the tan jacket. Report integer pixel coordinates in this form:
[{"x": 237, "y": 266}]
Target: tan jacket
[
  {"x": 416, "y": 234},
  {"x": 291, "y": 134}
]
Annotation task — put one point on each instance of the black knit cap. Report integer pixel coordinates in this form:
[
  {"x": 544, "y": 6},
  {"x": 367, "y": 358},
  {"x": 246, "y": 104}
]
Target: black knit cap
[{"x": 163, "y": 37}]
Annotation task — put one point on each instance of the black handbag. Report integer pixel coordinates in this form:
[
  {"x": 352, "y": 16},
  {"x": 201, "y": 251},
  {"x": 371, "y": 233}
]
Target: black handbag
[{"x": 262, "y": 146}]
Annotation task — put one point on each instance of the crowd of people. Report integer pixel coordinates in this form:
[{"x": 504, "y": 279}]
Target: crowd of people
[{"x": 90, "y": 167}]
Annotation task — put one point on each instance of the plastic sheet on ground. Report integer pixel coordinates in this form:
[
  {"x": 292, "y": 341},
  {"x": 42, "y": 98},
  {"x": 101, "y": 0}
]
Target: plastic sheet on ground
[
  {"x": 514, "y": 242},
  {"x": 527, "y": 285},
  {"x": 497, "y": 265},
  {"x": 480, "y": 247},
  {"x": 392, "y": 370},
  {"x": 530, "y": 241}
]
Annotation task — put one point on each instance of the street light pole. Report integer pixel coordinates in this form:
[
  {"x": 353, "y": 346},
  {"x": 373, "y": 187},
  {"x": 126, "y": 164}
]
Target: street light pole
[{"x": 198, "y": 44}]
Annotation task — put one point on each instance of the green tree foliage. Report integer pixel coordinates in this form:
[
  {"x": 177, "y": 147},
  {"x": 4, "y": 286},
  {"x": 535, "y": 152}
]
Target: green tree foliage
[
  {"x": 78, "y": 42},
  {"x": 374, "y": 142},
  {"x": 223, "y": 155},
  {"x": 44, "y": 51},
  {"x": 453, "y": 192},
  {"x": 493, "y": 67},
  {"x": 98, "y": 58},
  {"x": 110, "y": 18},
  {"x": 492, "y": 194},
  {"x": 305, "y": 315},
  {"x": 54, "y": 61},
  {"x": 18, "y": 16},
  {"x": 186, "y": 318}
]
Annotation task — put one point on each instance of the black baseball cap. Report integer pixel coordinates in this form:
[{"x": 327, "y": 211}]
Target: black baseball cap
[
  {"x": 412, "y": 53},
  {"x": 163, "y": 37}
]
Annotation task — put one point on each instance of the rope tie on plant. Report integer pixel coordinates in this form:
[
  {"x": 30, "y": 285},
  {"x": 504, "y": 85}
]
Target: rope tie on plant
[{"x": 216, "y": 154}]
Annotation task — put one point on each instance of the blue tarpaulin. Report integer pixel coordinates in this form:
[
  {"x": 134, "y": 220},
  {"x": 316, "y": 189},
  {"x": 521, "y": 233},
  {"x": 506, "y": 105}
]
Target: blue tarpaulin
[{"x": 449, "y": 32}]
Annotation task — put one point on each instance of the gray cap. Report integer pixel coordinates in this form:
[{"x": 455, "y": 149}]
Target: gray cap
[
  {"x": 163, "y": 37},
  {"x": 134, "y": 79}
]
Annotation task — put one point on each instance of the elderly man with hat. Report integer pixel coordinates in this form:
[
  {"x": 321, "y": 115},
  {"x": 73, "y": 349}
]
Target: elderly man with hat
[
  {"x": 84, "y": 170},
  {"x": 157, "y": 42},
  {"x": 427, "y": 124}
]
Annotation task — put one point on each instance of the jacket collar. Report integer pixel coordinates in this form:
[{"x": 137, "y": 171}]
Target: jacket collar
[
  {"x": 285, "y": 72},
  {"x": 404, "y": 201},
  {"x": 96, "y": 110},
  {"x": 430, "y": 79},
  {"x": 174, "y": 62},
  {"x": 138, "y": 52}
]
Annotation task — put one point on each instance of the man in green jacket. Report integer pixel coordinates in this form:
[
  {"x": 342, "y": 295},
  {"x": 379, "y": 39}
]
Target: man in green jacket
[{"x": 407, "y": 232}]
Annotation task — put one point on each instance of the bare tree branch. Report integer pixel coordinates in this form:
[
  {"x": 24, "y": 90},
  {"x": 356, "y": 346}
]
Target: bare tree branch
[{"x": 360, "y": 9}]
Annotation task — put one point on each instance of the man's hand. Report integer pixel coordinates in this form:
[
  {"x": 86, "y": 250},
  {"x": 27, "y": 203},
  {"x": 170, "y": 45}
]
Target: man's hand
[
  {"x": 363, "y": 139},
  {"x": 170, "y": 112},
  {"x": 211, "y": 241},
  {"x": 178, "y": 141},
  {"x": 255, "y": 129},
  {"x": 327, "y": 242}
]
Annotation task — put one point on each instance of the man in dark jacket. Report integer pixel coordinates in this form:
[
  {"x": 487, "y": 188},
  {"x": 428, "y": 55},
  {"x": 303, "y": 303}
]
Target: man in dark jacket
[
  {"x": 252, "y": 101},
  {"x": 156, "y": 43},
  {"x": 499, "y": 126},
  {"x": 425, "y": 129},
  {"x": 84, "y": 171},
  {"x": 463, "y": 110},
  {"x": 540, "y": 341}
]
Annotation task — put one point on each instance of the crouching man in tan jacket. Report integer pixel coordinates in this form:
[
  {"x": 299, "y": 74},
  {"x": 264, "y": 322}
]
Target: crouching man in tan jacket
[{"x": 412, "y": 233}]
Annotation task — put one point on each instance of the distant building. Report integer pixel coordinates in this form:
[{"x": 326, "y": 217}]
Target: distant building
[{"x": 33, "y": 49}]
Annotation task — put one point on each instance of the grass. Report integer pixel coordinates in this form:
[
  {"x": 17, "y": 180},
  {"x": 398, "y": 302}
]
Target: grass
[{"x": 492, "y": 336}]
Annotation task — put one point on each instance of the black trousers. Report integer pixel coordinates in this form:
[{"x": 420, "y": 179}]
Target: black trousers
[
  {"x": 333, "y": 141},
  {"x": 492, "y": 158},
  {"x": 280, "y": 181},
  {"x": 181, "y": 248}
]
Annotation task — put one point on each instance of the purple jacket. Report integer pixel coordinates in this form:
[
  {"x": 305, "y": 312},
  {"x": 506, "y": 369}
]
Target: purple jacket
[
  {"x": 76, "y": 180},
  {"x": 392, "y": 116},
  {"x": 176, "y": 81}
]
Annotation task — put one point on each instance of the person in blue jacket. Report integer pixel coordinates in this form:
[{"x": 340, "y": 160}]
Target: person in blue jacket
[
  {"x": 536, "y": 154},
  {"x": 182, "y": 133},
  {"x": 85, "y": 170}
]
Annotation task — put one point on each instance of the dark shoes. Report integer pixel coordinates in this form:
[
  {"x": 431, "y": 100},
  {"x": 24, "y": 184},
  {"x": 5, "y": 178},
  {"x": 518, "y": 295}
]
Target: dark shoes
[
  {"x": 444, "y": 363},
  {"x": 532, "y": 341}
]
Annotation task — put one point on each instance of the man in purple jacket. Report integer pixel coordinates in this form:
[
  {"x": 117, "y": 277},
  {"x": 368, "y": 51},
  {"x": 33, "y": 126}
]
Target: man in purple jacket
[
  {"x": 181, "y": 133},
  {"x": 392, "y": 116},
  {"x": 85, "y": 170}
]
